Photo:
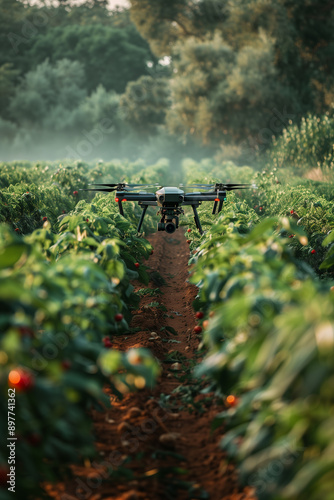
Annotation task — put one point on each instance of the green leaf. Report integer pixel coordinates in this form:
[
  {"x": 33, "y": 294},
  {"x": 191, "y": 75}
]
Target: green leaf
[{"x": 11, "y": 254}]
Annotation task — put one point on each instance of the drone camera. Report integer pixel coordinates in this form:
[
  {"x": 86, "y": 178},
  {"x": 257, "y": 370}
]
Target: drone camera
[{"x": 170, "y": 227}]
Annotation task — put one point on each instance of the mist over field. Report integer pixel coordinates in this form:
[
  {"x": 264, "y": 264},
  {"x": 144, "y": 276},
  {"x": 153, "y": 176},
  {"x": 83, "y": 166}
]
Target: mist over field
[{"x": 177, "y": 79}]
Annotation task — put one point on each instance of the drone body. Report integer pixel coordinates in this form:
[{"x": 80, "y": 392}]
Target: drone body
[{"x": 170, "y": 200}]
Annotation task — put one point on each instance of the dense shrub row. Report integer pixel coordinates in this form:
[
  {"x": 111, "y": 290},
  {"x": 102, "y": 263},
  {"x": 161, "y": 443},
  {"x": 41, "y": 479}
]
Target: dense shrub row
[
  {"x": 65, "y": 293},
  {"x": 269, "y": 331}
]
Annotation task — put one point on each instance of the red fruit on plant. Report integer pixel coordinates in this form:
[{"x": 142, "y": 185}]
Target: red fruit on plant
[
  {"x": 107, "y": 342},
  {"x": 75, "y": 193},
  {"x": 66, "y": 364},
  {"x": 25, "y": 331},
  {"x": 292, "y": 211},
  {"x": 34, "y": 439},
  {"x": 21, "y": 379},
  {"x": 199, "y": 315},
  {"x": 17, "y": 229},
  {"x": 189, "y": 230},
  {"x": 87, "y": 220},
  {"x": 313, "y": 251},
  {"x": 188, "y": 241},
  {"x": 4, "y": 470},
  {"x": 291, "y": 235},
  {"x": 137, "y": 265},
  {"x": 44, "y": 219},
  {"x": 118, "y": 317},
  {"x": 232, "y": 400},
  {"x": 261, "y": 208},
  {"x": 198, "y": 329}
]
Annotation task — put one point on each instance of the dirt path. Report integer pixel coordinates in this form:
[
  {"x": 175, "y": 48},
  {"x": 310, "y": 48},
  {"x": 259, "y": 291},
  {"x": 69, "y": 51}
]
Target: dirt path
[{"x": 158, "y": 448}]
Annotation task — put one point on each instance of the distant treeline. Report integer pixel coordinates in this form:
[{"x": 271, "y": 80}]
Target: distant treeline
[{"x": 84, "y": 81}]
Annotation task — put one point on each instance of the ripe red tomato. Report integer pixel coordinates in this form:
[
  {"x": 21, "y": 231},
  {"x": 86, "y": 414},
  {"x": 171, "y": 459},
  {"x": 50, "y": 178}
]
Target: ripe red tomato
[
  {"x": 21, "y": 379},
  {"x": 313, "y": 251},
  {"x": 4, "y": 470},
  {"x": 118, "y": 317},
  {"x": 232, "y": 400},
  {"x": 189, "y": 230},
  {"x": 199, "y": 315},
  {"x": 66, "y": 364},
  {"x": 25, "y": 331},
  {"x": 107, "y": 342},
  {"x": 198, "y": 329},
  {"x": 188, "y": 241},
  {"x": 34, "y": 439},
  {"x": 44, "y": 219},
  {"x": 75, "y": 193},
  {"x": 137, "y": 265},
  {"x": 292, "y": 211}
]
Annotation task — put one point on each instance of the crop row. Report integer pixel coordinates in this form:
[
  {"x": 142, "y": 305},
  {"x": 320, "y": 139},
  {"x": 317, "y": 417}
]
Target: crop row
[
  {"x": 65, "y": 293},
  {"x": 269, "y": 332}
]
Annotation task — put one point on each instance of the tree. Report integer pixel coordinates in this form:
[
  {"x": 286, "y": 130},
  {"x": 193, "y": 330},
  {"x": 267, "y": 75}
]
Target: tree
[
  {"x": 100, "y": 107},
  {"x": 110, "y": 56},
  {"x": 164, "y": 23},
  {"x": 145, "y": 103},
  {"x": 8, "y": 76},
  {"x": 234, "y": 62},
  {"x": 220, "y": 92},
  {"x": 47, "y": 95}
]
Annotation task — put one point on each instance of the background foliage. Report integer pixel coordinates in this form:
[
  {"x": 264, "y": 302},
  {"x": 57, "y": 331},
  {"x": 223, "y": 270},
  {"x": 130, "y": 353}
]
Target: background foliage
[{"x": 223, "y": 75}]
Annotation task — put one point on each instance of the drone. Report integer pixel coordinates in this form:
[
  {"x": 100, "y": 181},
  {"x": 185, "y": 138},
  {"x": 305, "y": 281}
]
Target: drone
[{"x": 170, "y": 200}]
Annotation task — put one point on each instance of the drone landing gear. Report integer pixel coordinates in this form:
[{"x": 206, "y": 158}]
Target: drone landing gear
[
  {"x": 220, "y": 206},
  {"x": 197, "y": 221},
  {"x": 142, "y": 218},
  {"x": 120, "y": 207}
]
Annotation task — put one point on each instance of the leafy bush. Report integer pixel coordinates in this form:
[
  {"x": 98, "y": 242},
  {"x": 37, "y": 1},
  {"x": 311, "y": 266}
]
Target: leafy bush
[
  {"x": 268, "y": 328},
  {"x": 65, "y": 292},
  {"x": 305, "y": 146}
]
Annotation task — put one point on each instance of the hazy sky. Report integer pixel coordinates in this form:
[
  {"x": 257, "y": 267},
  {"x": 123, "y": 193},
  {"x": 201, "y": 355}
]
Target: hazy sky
[
  {"x": 121, "y": 3},
  {"x": 112, "y": 3}
]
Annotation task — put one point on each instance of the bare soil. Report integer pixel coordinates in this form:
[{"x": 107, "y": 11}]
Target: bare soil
[{"x": 155, "y": 447}]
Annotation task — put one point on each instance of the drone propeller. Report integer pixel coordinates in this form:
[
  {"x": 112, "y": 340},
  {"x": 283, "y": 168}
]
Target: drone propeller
[
  {"x": 102, "y": 190},
  {"x": 124, "y": 185},
  {"x": 121, "y": 186},
  {"x": 197, "y": 185},
  {"x": 221, "y": 187}
]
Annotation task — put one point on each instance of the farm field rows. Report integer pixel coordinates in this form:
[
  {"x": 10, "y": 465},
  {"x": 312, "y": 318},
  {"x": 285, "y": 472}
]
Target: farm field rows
[{"x": 80, "y": 300}]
